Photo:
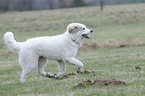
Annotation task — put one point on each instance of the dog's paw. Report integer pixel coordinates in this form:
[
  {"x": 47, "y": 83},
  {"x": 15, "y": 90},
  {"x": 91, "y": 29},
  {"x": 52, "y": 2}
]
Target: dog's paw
[
  {"x": 58, "y": 75},
  {"x": 49, "y": 75},
  {"x": 79, "y": 71}
]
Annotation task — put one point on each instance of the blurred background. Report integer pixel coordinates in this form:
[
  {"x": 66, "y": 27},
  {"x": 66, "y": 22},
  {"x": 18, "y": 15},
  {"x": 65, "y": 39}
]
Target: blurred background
[{"x": 23, "y": 5}]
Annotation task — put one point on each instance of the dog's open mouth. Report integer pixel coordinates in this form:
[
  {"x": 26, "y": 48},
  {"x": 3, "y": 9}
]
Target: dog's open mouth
[{"x": 86, "y": 36}]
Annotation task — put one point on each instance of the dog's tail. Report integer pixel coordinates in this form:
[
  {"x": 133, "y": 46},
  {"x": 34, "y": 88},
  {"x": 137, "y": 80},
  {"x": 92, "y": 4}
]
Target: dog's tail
[{"x": 11, "y": 42}]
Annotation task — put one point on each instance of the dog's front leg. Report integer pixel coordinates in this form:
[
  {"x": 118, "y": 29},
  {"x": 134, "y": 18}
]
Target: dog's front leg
[
  {"x": 74, "y": 61},
  {"x": 62, "y": 69}
]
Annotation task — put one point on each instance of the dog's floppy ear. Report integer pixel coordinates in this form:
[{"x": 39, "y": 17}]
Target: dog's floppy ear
[{"x": 73, "y": 29}]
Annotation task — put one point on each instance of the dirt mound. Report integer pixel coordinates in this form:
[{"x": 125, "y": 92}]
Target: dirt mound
[
  {"x": 62, "y": 77},
  {"x": 71, "y": 74},
  {"x": 138, "y": 68},
  {"x": 66, "y": 75},
  {"x": 86, "y": 72},
  {"x": 101, "y": 82}
]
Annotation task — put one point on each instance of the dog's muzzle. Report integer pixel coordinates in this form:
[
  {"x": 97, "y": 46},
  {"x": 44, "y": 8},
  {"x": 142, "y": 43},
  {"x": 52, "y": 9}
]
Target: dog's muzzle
[{"x": 86, "y": 35}]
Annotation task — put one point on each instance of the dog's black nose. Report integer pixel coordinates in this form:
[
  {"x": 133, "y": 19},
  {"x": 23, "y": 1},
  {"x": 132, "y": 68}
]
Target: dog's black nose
[{"x": 91, "y": 31}]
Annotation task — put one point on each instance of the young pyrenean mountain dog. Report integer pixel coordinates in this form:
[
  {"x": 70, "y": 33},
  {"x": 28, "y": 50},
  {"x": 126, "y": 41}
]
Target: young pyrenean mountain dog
[{"x": 37, "y": 51}]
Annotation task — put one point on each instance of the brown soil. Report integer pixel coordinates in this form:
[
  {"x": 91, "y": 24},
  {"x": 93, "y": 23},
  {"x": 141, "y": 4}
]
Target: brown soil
[{"x": 101, "y": 82}]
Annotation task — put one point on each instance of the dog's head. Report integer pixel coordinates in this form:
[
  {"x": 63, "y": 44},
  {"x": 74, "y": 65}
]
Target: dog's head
[{"x": 80, "y": 30}]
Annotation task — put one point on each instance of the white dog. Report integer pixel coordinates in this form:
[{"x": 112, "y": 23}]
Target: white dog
[{"x": 37, "y": 51}]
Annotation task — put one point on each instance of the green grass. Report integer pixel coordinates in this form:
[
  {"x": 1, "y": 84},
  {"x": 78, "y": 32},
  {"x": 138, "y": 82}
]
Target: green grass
[{"x": 117, "y": 22}]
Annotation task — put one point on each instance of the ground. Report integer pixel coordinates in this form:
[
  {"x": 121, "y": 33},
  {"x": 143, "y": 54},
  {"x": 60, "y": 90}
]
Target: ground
[{"x": 119, "y": 23}]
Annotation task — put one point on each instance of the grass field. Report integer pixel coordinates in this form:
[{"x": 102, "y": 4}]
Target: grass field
[{"x": 120, "y": 22}]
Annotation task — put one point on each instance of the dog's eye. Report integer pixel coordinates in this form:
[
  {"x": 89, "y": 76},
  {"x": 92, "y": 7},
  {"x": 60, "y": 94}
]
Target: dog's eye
[{"x": 83, "y": 28}]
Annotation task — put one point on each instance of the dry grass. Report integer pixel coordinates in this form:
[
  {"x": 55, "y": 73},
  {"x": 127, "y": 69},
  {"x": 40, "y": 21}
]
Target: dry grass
[
  {"x": 4, "y": 52},
  {"x": 111, "y": 43}
]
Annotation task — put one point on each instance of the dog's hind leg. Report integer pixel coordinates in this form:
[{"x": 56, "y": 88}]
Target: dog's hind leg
[
  {"x": 27, "y": 70},
  {"x": 62, "y": 68},
  {"x": 41, "y": 64},
  {"x": 29, "y": 63}
]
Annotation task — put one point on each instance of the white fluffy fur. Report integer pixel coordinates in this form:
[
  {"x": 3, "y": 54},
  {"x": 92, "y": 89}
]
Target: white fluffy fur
[{"x": 37, "y": 51}]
